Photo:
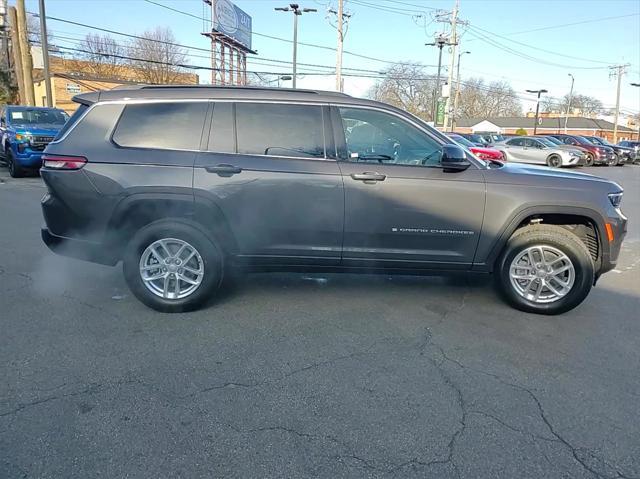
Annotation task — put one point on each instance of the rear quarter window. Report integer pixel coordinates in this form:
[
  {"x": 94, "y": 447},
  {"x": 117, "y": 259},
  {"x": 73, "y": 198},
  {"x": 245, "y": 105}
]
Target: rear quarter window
[
  {"x": 169, "y": 126},
  {"x": 72, "y": 121}
]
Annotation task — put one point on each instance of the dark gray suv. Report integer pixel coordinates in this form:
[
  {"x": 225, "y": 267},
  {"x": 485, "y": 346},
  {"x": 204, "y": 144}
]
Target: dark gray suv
[{"x": 185, "y": 184}]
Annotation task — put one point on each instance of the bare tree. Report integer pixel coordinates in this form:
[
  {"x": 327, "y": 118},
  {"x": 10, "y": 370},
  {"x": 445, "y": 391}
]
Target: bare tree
[
  {"x": 407, "y": 86},
  {"x": 156, "y": 56},
  {"x": 103, "y": 55},
  {"x": 33, "y": 31},
  {"x": 582, "y": 104},
  {"x": 495, "y": 99}
]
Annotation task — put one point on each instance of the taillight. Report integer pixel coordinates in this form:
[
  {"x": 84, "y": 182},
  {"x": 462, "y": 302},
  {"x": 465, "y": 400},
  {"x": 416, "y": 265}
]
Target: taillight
[{"x": 61, "y": 162}]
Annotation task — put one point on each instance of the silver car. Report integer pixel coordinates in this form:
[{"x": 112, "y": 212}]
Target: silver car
[{"x": 538, "y": 151}]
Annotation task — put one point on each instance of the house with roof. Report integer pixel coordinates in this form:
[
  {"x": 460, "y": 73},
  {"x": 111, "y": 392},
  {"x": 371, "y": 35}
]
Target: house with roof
[{"x": 575, "y": 126}]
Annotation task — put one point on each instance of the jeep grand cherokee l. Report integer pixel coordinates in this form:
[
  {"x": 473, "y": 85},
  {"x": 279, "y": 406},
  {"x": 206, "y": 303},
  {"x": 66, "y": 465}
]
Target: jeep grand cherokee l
[{"x": 183, "y": 184}]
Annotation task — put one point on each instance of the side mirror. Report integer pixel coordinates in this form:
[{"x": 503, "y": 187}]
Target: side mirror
[{"x": 453, "y": 159}]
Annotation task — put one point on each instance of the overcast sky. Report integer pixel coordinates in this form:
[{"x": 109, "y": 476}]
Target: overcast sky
[{"x": 396, "y": 30}]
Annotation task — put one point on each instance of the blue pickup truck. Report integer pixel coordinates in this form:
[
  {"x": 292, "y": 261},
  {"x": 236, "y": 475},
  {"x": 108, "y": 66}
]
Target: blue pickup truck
[{"x": 25, "y": 131}]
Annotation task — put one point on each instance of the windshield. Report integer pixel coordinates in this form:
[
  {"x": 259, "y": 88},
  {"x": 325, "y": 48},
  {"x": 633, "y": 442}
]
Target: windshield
[
  {"x": 584, "y": 141},
  {"x": 37, "y": 116},
  {"x": 553, "y": 140}
]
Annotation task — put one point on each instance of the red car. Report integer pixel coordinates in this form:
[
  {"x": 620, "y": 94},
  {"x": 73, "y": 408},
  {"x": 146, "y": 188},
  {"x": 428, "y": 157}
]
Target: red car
[{"x": 484, "y": 153}]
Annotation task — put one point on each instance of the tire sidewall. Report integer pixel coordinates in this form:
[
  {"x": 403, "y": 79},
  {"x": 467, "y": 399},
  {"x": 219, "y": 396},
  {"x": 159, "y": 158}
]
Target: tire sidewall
[
  {"x": 583, "y": 266},
  {"x": 207, "y": 248},
  {"x": 590, "y": 160},
  {"x": 554, "y": 161}
]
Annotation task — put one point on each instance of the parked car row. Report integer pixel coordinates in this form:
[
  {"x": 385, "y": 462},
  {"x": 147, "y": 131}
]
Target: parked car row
[{"x": 555, "y": 150}]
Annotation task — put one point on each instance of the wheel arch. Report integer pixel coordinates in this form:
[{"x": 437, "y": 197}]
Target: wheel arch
[
  {"x": 139, "y": 210},
  {"x": 577, "y": 219}
]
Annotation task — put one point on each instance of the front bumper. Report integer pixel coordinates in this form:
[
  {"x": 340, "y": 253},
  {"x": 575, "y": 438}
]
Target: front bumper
[
  {"x": 611, "y": 251},
  {"x": 28, "y": 158}
]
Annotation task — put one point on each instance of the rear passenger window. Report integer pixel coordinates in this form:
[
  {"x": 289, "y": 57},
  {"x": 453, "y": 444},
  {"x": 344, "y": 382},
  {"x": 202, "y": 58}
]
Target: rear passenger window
[
  {"x": 222, "y": 137},
  {"x": 172, "y": 126},
  {"x": 280, "y": 130}
]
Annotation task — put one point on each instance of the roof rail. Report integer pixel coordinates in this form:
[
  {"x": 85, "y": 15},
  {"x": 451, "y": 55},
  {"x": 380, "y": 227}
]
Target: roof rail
[{"x": 215, "y": 87}]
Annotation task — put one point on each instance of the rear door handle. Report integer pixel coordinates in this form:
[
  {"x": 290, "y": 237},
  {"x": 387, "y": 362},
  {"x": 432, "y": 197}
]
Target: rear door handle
[
  {"x": 224, "y": 169},
  {"x": 368, "y": 177}
]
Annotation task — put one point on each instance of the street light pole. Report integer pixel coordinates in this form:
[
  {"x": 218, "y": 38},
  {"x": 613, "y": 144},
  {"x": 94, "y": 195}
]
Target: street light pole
[
  {"x": 539, "y": 92},
  {"x": 566, "y": 117},
  {"x": 297, "y": 11},
  {"x": 457, "y": 94}
]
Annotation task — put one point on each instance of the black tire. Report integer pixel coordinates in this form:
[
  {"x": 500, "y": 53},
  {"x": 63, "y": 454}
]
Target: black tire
[
  {"x": 612, "y": 161},
  {"x": 15, "y": 170},
  {"x": 589, "y": 160},
  {"x": 504, "y": 156},
  {"x": 556, "y": 237},
  {"x": 205, "y": 245},
  {"x": 554, "y": 161},
  {"x": 620, "y": 161}
]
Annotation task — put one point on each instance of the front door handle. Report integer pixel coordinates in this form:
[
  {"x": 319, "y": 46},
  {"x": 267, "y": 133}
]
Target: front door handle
[
  {"x": 224, "y": 169},
  {"x": 369, "y": 177}
]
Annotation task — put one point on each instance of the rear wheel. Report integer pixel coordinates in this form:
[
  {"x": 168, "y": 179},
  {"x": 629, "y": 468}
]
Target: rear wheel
[
  {"x": 15, "y": 170},
  {"x": 544, "y": 269},
  {"x": 620, "y": 160},
  {"x": 172, "y": 266},
  {"x": 554, "y": 161}
]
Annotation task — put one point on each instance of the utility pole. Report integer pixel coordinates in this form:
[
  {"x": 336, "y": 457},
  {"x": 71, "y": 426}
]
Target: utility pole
[
  {"x": 297, "y": 11},
  {"x": 619, "y": 71},
  {"x": 17, "y": 55},
  {"x": 539, "y": 92},
  {"x": 44, "y": 41},
  {"x": 566, "y": 116},
  {"x": 4, "y": 37},
  {"x": 340, "y": 16},
  {"x": 25, "y": 53},
  {"x": 454, "y": 43},
  {"x": 439, "y": 42},
  {"x": 455, "y": 98}
]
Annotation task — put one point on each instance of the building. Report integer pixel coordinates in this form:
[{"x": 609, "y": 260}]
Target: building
[
  {"x": 575, "y": 126},
  {"x": 70, "y": 77}
]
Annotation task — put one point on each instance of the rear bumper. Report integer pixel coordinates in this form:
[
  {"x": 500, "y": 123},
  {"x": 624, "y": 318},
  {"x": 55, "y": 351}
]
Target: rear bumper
[{"x": 76, "y": 248}]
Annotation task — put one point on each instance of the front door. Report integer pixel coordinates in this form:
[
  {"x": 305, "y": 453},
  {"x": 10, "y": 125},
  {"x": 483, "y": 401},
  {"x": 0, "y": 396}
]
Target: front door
[
  {"x": 401, "y": 209},
  {"x": 267, "y": 170}
]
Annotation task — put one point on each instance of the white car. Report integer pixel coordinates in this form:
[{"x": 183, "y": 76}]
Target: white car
[{"x": 538, "y": 151}]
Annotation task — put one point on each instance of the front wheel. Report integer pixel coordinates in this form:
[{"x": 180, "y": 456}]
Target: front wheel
[
  {"x": 15, "y": 170},
  {"x": 554, "y": 161},
  {"x": 544, "y": 269},
  {"x": 613, "y": 161},
  {"x": 589, "y": 160},
  {"x": 171, "y": 266}
]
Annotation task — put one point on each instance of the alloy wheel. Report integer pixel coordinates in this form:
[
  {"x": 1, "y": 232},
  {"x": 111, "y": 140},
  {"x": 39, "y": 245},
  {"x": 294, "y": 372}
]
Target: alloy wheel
[
  {"x": 542, "y": 274},
  {"x": 171, "y": 268}
]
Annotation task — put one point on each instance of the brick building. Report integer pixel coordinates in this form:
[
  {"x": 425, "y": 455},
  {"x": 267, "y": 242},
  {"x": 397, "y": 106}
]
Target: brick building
[
  {"x": 575, "y": 126},
  {"x": 70, "y": 77}
]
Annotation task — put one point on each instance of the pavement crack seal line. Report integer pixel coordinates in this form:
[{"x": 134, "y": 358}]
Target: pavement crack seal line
[{"x": 575, "y": 451}]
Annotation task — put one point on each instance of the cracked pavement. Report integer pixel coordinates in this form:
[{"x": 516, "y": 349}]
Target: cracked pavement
[{"x": 292, "y": 375}]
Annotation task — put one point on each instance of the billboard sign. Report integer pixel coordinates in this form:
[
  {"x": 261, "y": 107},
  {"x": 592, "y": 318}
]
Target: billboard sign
[{"x": 231, "y": 21}]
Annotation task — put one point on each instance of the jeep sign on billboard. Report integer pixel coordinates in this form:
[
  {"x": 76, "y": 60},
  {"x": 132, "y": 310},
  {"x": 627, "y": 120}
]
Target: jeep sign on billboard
[{"x": 232, "y": 21}]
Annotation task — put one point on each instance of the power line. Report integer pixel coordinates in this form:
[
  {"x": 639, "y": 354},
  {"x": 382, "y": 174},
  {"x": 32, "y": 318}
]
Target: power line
[{"x": 562, "y": 25}]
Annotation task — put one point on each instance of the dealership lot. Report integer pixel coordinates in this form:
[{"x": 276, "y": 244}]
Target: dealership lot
[{"x": 292, "y": 375}]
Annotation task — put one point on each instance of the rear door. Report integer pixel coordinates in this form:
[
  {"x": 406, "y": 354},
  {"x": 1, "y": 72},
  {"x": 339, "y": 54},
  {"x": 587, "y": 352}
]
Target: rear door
[
  {"x": 275, "y": 179},
  {"x": 534, "y": 151},
  {"x": 401, "y": 209},
  {"x": 515, "y": 149}
]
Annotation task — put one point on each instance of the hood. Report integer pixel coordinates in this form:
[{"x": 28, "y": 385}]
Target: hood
[
  {"x": 523, "y": 174},
  {"x": 41, "y": 129}
]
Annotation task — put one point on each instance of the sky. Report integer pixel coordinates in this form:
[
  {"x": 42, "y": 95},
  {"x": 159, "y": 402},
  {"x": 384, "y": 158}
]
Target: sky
[{"x": 557, "y": 37}]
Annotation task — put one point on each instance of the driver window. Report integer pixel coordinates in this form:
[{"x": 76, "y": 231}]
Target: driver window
[{"x": 376, "y": 137}]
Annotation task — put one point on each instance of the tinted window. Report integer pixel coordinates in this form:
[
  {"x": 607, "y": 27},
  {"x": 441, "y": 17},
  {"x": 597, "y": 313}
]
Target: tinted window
[
  {"x": 222, "y": 137},
  {"x": 516, "y": 142},
  {"x": 71, "y": 121},
  {"x": 280, "y": 130},
  {"x": 176, "y": 126},
  {"x": 376, "y": 137}
]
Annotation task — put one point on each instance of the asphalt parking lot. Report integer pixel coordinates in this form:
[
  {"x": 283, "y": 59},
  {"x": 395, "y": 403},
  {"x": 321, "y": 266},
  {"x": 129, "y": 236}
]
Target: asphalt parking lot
[{"x": 292, "y": 375}]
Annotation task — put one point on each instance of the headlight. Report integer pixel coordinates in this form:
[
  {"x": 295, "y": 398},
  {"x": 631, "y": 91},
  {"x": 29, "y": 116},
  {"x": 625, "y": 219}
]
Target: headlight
[{"x": 616, "y": 199}]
